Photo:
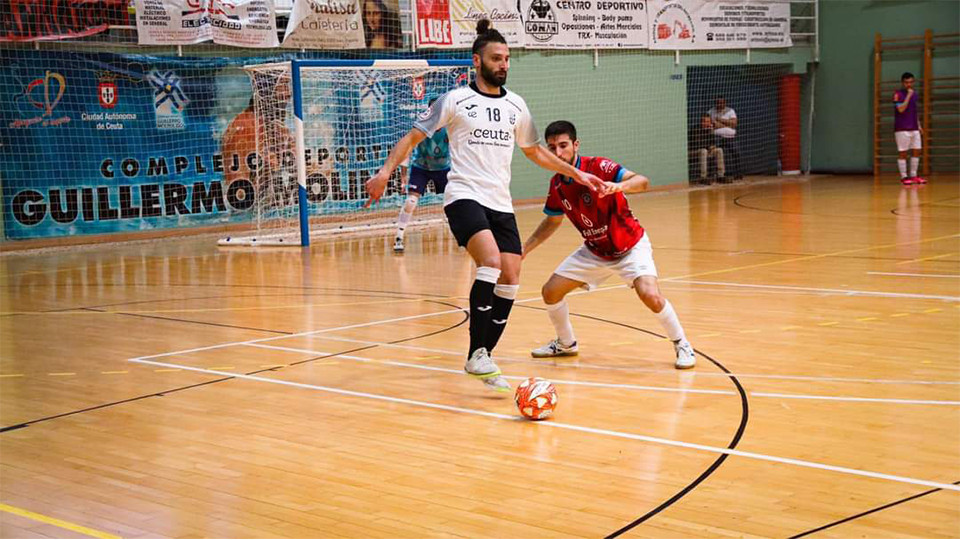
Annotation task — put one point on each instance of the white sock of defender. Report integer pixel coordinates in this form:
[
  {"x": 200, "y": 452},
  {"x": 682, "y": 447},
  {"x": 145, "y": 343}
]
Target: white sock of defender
[
  {"x": 914, "y": 165},
  {"x": 560, "y": 317},
  {"x": 670, "y": 322},
  {"x": 902, "y": 165}
]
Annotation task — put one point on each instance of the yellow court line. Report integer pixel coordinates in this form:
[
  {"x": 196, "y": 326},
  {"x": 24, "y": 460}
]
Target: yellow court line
[
  {"x": 899, "y": 314},
  {"x": 866, "y": 319},
  {"x": 828, "y": 323},
  {"x": 925, "y": 259},
  {"x": 61, "y": 374},
  {"x": 428, "y": 357},
  {"x": 933, "y": 310},
  {"x": 791, "y": 327},
  {"x": 55, "y": 522},
  {"x": 11, "y": 375},
  {"x": 113, "y": 372},
  {"x": 165, "y": 370}
]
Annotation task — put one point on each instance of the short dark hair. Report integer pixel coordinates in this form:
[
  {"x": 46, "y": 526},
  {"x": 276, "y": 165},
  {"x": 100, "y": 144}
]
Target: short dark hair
[
  {"x": 906, "y": 75},
  {"x": 486, "y": 34},
  {"x": 560, "y": 127}
]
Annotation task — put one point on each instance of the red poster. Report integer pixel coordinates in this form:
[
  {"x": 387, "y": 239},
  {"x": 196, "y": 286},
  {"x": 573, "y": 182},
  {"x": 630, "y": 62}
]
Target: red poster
[
  {"x": 31, "y": 20},
  {"x": 433, "y": 23}
]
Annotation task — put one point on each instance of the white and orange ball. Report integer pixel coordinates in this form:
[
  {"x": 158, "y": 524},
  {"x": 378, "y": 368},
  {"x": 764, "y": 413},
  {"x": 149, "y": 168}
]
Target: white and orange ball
[{"x": 536, "y": 398}]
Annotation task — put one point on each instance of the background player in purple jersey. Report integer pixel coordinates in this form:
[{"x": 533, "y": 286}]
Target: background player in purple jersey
[
  {"x": 614, "y": 243},
  {"x": 907, "y": 130}
]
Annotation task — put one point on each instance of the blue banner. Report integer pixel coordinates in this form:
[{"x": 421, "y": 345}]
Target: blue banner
[{"x": 102, "y": 143}]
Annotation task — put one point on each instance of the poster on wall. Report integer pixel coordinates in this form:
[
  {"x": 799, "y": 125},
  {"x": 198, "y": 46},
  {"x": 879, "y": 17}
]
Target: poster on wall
[
  {"x": 452, "y": 24},
  {"x": 103, "y": 143},
  {"x": 604, "y": 24},
  {"x": 239, "y": 23},
  {"x": 28, "y": 20},
  {"x": 326, "y": 24},
  {"x": 718, "y": 24},
  {"x": 433, "y": 27}
]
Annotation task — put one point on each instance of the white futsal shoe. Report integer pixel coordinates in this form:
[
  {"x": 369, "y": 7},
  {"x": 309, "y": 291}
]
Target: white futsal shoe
[
  {"x": 398, "y": 245},
  {"x": 686, "y": 358},
  {"x": 555, "y": 348},
  {"x": 481, "y": 366}
]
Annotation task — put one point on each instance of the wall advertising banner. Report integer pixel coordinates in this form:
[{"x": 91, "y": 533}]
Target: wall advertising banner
[
  {"x": 718, "y": 24},
  {"x": 584, "y": 24},
  {"x": 433, "y": 26},
  {"x": 452, "y": 24},
  {"x": 31, "y": 20},
  {"x": 240, "y": 23},
  {"x": 101, "y": 143},
  {"x": 325, "y": 24}
]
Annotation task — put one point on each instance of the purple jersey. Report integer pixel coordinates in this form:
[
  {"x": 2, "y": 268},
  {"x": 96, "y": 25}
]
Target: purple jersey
[{"x": 906, "y": 120}]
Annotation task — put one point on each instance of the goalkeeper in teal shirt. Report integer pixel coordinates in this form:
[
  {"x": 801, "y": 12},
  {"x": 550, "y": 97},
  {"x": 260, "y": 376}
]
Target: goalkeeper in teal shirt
[{"x": 429, "y": 162}]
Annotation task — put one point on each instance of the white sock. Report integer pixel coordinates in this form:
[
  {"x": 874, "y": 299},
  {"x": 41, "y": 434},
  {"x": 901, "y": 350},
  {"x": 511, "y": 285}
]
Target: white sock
[
  {"x": 668, "y": 319},
  {"x": 508, "y": 292},
  {"x": 914, "y": 165},
  {"x": 405, "y": 216},
  {"x": 402, "y": 222},
  {"x": 902, "y": 165},
  {"x": 560, "y": 317},
  {"x": 488, "y": 274}
]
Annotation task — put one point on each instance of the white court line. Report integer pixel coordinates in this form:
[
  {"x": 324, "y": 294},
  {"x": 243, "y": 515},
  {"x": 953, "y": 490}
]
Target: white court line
[
  {"x": 447, "y": 312},
  {"x": 649, "y": 370},
  {"x": 613, "y": 385},
  {"x": 301, "y": 334},
  {"x": 570, "y": 427},
  {"x": 844, "y": 292},
  {"x": 856, "y": 399},
  {"x": 954, "y": 276},
  {"x": 512, "y": 377}
]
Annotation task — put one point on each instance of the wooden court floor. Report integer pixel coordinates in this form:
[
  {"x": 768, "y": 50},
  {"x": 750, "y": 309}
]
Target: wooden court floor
[{"x": 174, "y": 389}]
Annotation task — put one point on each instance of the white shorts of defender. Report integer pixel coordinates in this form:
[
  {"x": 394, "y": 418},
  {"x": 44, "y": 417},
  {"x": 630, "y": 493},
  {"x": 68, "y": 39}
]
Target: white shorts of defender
[
  {"x": 908, "y": 140},
  {"x": 582, "y": 265}
]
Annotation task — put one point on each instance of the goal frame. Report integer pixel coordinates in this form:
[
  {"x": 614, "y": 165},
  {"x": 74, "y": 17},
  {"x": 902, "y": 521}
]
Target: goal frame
[{"x": 296, "y": 68}]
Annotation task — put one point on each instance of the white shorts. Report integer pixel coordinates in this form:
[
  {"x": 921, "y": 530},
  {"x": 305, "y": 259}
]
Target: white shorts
[
  {"x": 907, "y": 140},
  {"x": 584, "y": 266}
]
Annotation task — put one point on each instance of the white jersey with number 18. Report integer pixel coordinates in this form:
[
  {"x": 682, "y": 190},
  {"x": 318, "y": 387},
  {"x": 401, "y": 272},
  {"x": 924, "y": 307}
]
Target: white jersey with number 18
[{"x": 482, "y": 130}]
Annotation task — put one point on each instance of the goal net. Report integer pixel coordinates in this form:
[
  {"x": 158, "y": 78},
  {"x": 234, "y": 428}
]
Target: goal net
[{"x": 322, "y": 129}]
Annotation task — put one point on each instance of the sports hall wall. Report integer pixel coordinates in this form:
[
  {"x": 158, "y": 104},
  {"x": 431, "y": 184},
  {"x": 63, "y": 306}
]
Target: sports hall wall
[
  {"x": 629, "y": 105},
  {"x": 843, "y": 130}
]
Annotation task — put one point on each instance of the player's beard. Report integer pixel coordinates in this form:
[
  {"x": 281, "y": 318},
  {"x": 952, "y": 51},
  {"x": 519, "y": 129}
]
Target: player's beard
[{"x": 491, "y": 77}]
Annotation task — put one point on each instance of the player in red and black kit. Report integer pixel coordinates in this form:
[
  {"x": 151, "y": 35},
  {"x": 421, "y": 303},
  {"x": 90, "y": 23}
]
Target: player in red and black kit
[{"x": 614, "y": 243}]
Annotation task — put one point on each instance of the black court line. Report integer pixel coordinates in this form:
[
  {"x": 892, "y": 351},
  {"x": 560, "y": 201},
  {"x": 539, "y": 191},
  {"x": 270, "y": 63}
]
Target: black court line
[
  {"x": 868, "y": 512},
  {"x": 366, "y": 294},
  {"x": 162, "y": 393},
  {"x": 207, "y": 323},
  {"x": 744, "y": 417}
]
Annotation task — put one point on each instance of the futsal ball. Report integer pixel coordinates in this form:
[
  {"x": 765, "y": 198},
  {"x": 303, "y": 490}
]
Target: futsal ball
[{"x": 536, "y": 398}]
